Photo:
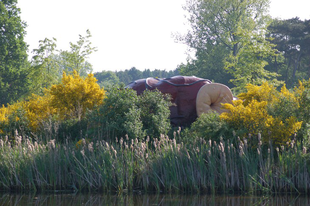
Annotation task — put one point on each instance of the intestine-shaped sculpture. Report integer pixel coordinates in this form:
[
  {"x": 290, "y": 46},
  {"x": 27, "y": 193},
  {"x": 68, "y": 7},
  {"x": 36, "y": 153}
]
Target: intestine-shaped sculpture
[{"x": 191, "y": 96}]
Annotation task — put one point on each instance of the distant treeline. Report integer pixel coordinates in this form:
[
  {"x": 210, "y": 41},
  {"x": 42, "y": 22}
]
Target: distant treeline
[{"x": 108, "y": 78}]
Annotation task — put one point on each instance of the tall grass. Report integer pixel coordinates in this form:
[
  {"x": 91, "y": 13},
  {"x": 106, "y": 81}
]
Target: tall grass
[{"x": 163, "y": 165}]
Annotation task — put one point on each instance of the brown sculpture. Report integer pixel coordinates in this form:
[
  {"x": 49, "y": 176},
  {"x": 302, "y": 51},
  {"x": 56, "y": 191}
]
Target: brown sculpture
[{"x": 191, "y": 96}]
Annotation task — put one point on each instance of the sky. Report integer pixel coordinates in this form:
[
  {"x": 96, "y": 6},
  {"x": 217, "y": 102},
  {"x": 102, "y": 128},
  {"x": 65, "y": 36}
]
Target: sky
[{"x": 126, "y": 33}]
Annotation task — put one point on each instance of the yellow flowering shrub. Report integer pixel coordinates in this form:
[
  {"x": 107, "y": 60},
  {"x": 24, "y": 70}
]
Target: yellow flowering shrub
[
  {"x": 10, "y": 114},
  {"x": 264, "y": 110},
  {"x": 70, "y": 99},
  {"x": 75, "y": 95},
  {"x": 38, "y": 109}
]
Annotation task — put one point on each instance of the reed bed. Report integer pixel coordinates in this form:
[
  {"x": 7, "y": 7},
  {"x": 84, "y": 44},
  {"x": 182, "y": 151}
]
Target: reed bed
[{"x": 162, "y": 165}]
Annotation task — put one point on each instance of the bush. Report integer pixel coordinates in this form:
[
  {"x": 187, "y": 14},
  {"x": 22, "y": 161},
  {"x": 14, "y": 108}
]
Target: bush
[
  {"x": 75, "y": 95},
  {"x": 155, "y": 112},
  {"x": 265, "y": 110},
  {"x": 209, "y": 126},
  {"x": 107, "y": 120},
  {"x": 124, "y": 113},
  {"x": 60, "y": 109}
]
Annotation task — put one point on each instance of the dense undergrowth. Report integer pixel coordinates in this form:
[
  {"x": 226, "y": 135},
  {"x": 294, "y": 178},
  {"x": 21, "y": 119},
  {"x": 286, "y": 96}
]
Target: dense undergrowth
[{"x": 79, "y": 137}]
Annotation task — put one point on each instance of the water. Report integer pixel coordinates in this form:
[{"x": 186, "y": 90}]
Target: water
[{"x": 147, "y": 200}]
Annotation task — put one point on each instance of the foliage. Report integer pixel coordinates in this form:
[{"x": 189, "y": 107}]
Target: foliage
[
  {"x": 248, "y": 64},
  {"x": 45, "y": 69},
  {"x": 12, "y": 119},
  {"x": 226, "y": 33},
  {"x": 133, "y": 123},
  {"x": 13, "y": 56},
  {"x": 75, "y": 95},
  {"x": 75, "y": 60},
  {"x": 59, "y": 112},
  {"x": 48, "y": 63},
  {"x": 208, "y": 126},
  {"x": 260, "y": 110},
  {"x": 124, "y": 113},
  {"x": 107, "y": 78},
  {"x": 107, "y": 120},
  {"x": 155, "y": 112},
  {"x": 292, "y": 40}
]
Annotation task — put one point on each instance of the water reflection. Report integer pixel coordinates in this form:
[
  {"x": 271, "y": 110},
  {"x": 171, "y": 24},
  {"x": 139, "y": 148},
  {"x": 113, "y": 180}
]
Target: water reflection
[{"x": 147, "y": 200}]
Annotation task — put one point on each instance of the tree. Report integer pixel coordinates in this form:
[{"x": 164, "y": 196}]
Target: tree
[
  {"x": 220, "y": 31},
  {"x": 48, "y": 63},
  {"x": 106, "y": 79},
  {"x": 76, "y": 59},
  {"x": 292, "y": 39},
  {"x": 13, "y": 53},
  {"x": 45, "y": 69}
]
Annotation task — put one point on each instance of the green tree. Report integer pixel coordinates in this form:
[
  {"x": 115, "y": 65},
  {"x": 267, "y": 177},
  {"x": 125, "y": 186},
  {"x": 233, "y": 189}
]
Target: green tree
[
  {"x": 107, "y": 79},
  {"x": 13, "y": 53},
  {"x": 220, "y": 31},
  {"x": 292, "y": 39},
  {"x": 45, "y": 69},
  {"x": 76, "y": 58}
]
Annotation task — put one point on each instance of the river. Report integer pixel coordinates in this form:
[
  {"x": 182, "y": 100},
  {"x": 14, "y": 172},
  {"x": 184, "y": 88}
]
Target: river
[{"x": 148, "y": 200}]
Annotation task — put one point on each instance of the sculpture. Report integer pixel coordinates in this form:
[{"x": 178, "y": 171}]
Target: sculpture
[{"x": 191, "y": 96}]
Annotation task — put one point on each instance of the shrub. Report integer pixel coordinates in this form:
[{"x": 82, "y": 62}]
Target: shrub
[
  {"x": 123, "y": 112},
  {"x": 60, "y": 109},
  {"x": 264, "y": 110},
  {"x": 75, "y": 95},
  {"x": 155, "y": 112},
  {"x": 107, "y": 120},
  {"x": 209, "y": 126}
]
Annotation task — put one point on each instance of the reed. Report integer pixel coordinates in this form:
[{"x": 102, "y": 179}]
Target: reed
[{"x": 163, "y": 165}]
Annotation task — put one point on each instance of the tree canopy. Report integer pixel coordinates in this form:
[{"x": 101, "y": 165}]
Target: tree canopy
[
  {"x": 292, "y": 40},
  {"x": 223, "y": 35},
  {"x": 13, "y": 53}
]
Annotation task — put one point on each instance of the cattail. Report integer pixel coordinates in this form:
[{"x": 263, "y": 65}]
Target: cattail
[
  {"x": 136, "y": 141},
  {"x": 1, "y": 143},
  {"x": 245, "y": 141},
  {"x": 174, "y": 134},
  {"x": 304, "y": 150},
  {"x": 83, "y": 152},
  {"x": 282, "y": 147},
  {"x": 222, "y": 147},
  {"x": 188, "y": 156},
  {"x": 126, "y": 136},
  {"x": 116, "y": 139},
  {"x": 210, "y": 143},
  {"x": 147, "y": 138},
  {"x": 292, "y": 143},
  {"x": 258, "y": 151},
  {"x": 259, "y": 136},
  {"x": 121, "y": 141},
  {"x": 36, "y": 146},
  {"x": 179, "y": 131},
  {"x": 90, "y": 147}
]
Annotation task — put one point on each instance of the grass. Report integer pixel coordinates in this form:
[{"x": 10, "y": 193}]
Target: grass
[{"x": 163, "y": 165}]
